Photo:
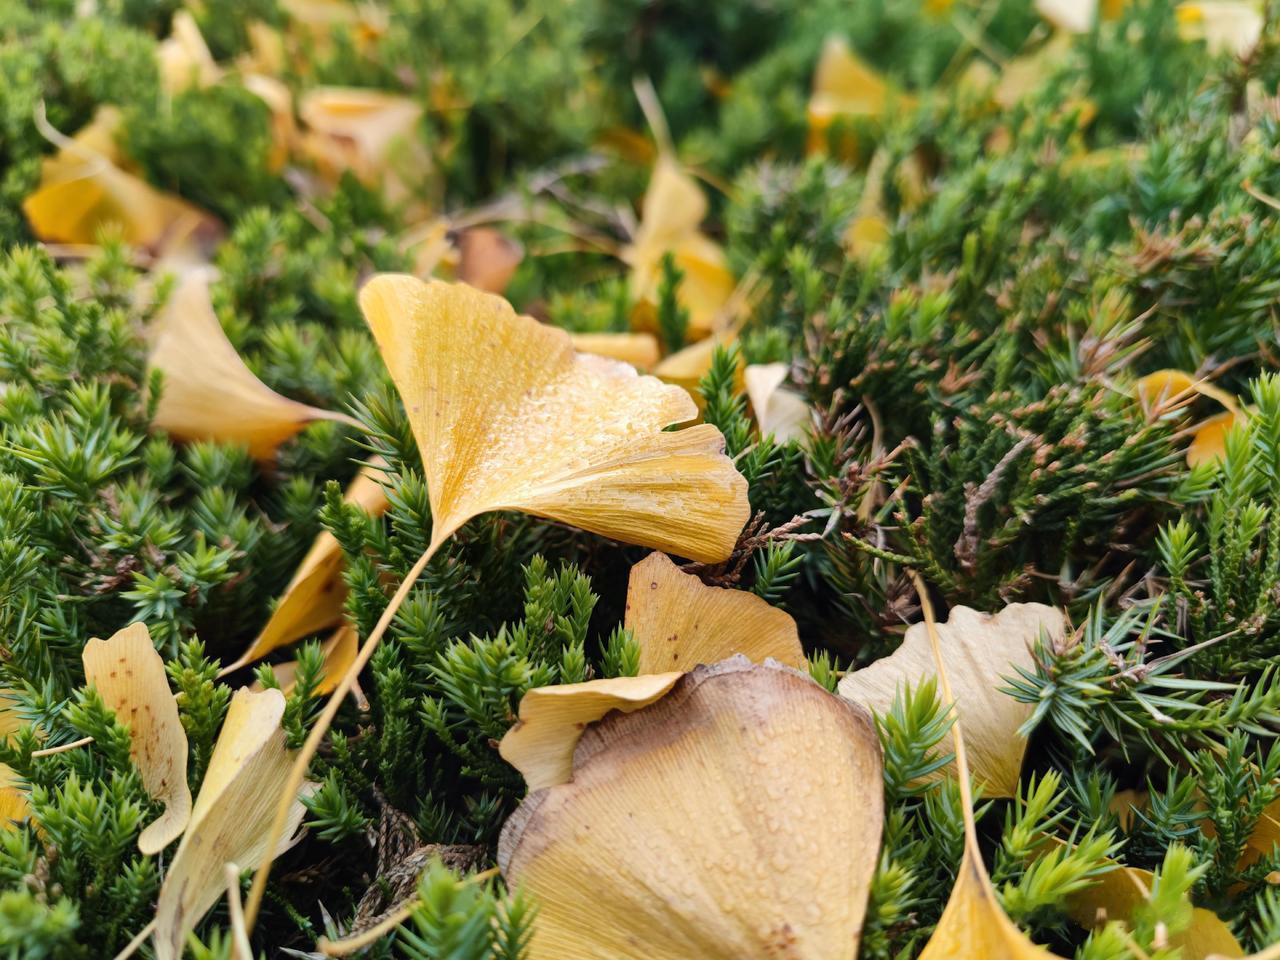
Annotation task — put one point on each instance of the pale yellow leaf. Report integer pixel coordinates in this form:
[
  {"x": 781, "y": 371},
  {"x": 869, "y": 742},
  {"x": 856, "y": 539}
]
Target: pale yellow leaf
[
  {"x": 509, "y": 417},
  {"x": 231, "y": 817},
  {"x": 284, "y": 132},
  {"x": 686, "y": 367},
  {"x": 315, "y": 597},
  {"x": 130, "y": 677},
  {"x": 552, "y": 719},
  {"x": 183, "y": 57},
  {"x": 1074, "y": 16},
  {"x": 638, "y": 349},
  {"x": 678, "y": 621},
  {"x": 739, "y": 816},
  {"x": 979, "y": 650},
  {"x": 208, "y": 392},
  {"x": 778, "y": 411},
  {"x": 1226, "y": 26},
  {"x": 339, "y": 653},
  {"x": 845, "y": 87}
]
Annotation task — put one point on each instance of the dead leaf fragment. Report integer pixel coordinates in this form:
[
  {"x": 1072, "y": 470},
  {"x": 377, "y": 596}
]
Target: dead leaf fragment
[
  {"x": 488, "y": 258},
  {"x": 552, "y": 719},
  {"x": 184, "y": 58},
  {"x": 778, "y": 411},
  {"x": 707, "y": 824},
  {"x": 1073, "y": 16},
  {"x": 316, "y": 596},
  {"x": 130, "y": 677},
  {"x": 979, "y": 650},
  {"x": 509, "y": 417},
  {"x": 680, "y": 622},
  {"x": 1226, "y": 26},
  {"x": 231, "y": 815},
  {"x": 209, "y": 393},
  {"x": 638, "y": 349}
]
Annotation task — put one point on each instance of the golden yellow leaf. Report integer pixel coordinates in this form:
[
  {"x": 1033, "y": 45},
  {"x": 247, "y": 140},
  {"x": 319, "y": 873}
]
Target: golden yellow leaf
[
  {"x": 1226, "y": 26},
  {"x": 339, "y": 653},
  {"x": 778, "y": 411},
  {"x": 130, "y": 677},
  {"x": 487, "y": 258},
  {"x": 184, "y": 58},
  {"x": 84, "y": 191},
  {"x": 979, "y": 650},
  {"x": 371, "y": 133},
  {"x": 315, "y": 597},
  {"x": 1118, "y": 893},
  {"x": 552, "y": 719},
  {"x": 231, "y": 815},
  {"x": 208, "y": 392},
  {"x": 638, "y": 349},
  {"x": 13, "y": 798},
  {"x": 508, "y": 417},
  {"x": 844, "y": 87},
  {"x": 686, "y": 367},
  {"x": 973, "y": 925},
  {"x": 739, "y": 817},
  {"x": 1167, "y": 390},
  {"x": 678, "y": 621},
  {"x": 670, "y": 216},
  {"x": 1209, "y": 442}
]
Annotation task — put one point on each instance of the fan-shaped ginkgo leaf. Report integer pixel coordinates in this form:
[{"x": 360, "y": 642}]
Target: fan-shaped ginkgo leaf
[
  {"x": 1074, "y": 16},
  {"x": 844, "y": 87},
  {"x": 685, "y": 368},
  {"x": 778, "y": 411},
  {"x": 508, "y": 417},
  {"x": 670, "y": 217},
  {"x": 973, "y": 925},
  {"x": 1226, "y": 26},
  {"x": 130, "y": 677},
  {"x": 314, "y": 599},
  {"x": 208, "y": 392},
  {"x": 679, "y": 622},
  {"x": 13, "y": 798},
  {"x": 979, "y": 650},
  {"x": 84, "y": 191},
  {"x": 184, "y": 58},
  {"x": 638, "y": 349},
  {"x": 1168, "y": 390},
  {"x": 339, "y": 653},
  {"x": 737, "y": 817},
  {"x": 230, "y": 820},
  {"x": 552, "y": 719},
  {"x": 371, "y": 133}
]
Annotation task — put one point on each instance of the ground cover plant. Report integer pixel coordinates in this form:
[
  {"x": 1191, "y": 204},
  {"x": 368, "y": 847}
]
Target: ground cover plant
[{"x": 564, "y": 479}]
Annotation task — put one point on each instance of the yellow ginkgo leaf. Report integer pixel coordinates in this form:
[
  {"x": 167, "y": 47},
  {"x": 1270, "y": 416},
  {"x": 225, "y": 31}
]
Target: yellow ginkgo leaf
[
  {"x": 686, "y": 367},
  {"x": 638, "y": 349},
  {"x": 184, "y": 58},
  {"x": 339, "y": 653},
  {"x": 314, "y": 599},
  {"x": 844, "y": 87},
  {"x": 552, "y": 719},
  {"x": 1209, "y": 442},
  {"x": 778, "y": 411},
  {"x": 1115, "y": 895},
  {"x": 229, "y": 822},
  {"x": 1226, "y": 26},
  {"x": 1165, "y": 389},
  {"x": 670, "y": 216},
  {"x": 979, "y": 651},
  {"x": 1074, "y": 16},
  {"x": 84, "y": 191},
  {"x": 284, "y": 132},
  {"x": 678, "y": 621},
  {"x": 208, "y": 393},
  {"x": 487, "y": 258},
  {"x": 13, "y": 798},
  {"x": 973, "y": 925},
  {"x": 867, "y": 234},
  {"x": 1025, "y": 72},
  {"x": 371, "y": 133},
  {"x": 688, "y": 827},
  {"x": 508, "y": 417},
  {"x": 130, "y": 677}
]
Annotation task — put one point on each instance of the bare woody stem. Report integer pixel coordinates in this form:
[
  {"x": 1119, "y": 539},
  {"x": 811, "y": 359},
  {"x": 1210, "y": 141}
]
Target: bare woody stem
[{"x": 303, "y": 760}]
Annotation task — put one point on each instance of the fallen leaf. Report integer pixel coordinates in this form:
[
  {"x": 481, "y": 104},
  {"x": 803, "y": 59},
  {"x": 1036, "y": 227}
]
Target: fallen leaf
[
  {"x": 685, "y": 368},
  {"x": 339, "y": 653},
  {"x": 509, "y": 417},
  {"x": 979, "y": 650},
  {"x": 84, "y": 191},
  {"x": 778, "y": 411},
  {"x": 1168, "y": 390},
  {"x": 670, "y": 216},
  {"x": 679, "y": 622},
  {"x": 1074, "y": 16},
  {"x": 130, "y": 677},
  {"x": 540, "y": 744},
  {"x": 638, "y": 349},
  {"x": 284, "y": 132},
  {"x": 690, "y": 827},
  {"x": 183, "y": 57},
  {"x": 373, "y": 134},
  {"x": 488, "y": 258},
  {"x": 316, "y": 596},
  {"x": 1209, "y": 442},
  {"x": 231, "y": 815},
  {"x": 844, "y": 88},
  {"x": 1226, "y": 26},
  {"x": 13, "y": 798},
  {"x": 208, "y": 392}
]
